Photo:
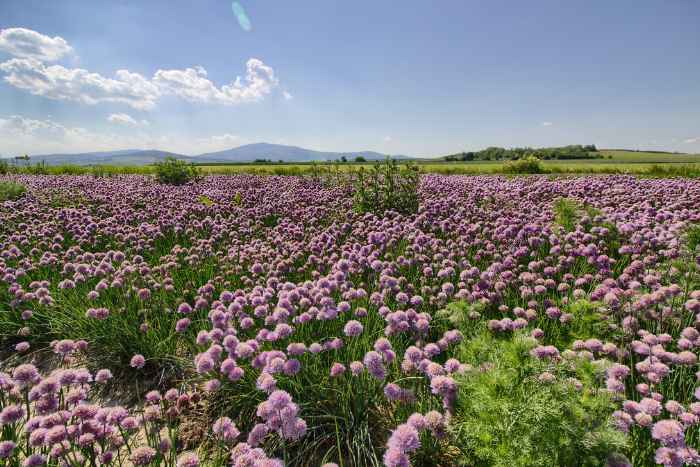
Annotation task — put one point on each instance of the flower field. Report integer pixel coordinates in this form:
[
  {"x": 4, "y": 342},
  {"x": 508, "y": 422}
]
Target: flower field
[{"x": 253, "y": 320}]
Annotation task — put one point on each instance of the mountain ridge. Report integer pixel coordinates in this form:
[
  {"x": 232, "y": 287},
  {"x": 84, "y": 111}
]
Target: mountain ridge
[{"x": 245, "y": 153}]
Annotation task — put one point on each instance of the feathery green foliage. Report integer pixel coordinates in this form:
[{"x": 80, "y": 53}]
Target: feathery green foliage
[
  {"x": 507, "y": 416},
  {"x": 11, "y": 190}
]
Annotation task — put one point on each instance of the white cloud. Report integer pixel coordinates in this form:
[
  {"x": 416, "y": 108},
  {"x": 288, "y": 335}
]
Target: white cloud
[
  {"x": 691, "y": 140},
  {"x": 654, "y": 141},
  {"x": 283, "y": 141},
  {"x": 387, "y": 138},
  {"x": 30, "y": 44},
  {"x": 546, "y": 123},
  {"x": 121, "y": 118},
  {"x": 145, "y": 122},
  {"x": 57, "y": 82},
  {"x": 20, "y": 136},
  {"x": 672, "y": 141},
  {"x": 219, "y": 139},
  {"x": 187, "y": 84}
]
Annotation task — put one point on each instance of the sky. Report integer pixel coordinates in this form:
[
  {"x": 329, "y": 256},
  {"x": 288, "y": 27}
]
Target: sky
[{"x": 417, "y": 78}]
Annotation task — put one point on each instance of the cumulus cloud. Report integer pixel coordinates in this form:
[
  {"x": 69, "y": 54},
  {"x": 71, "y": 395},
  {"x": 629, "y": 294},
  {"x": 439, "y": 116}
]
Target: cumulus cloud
[
  {"x": 218, "y": 140},
  {"x": 546, "y": 123},
  {"x": 121, "y": 118},
  {"x": 672, "y": 141},
  {"x": 287, "y": 96},
  {"x": 190, "y": 85},
  {"x": 30, "y": 44},
  {"x": 57, "y": 82},
  {"x": 21, "y": 135},
  {"x": 30, "y": 135},
  {"x": 387, "y": 138},
  {"x": 691, "y": 140}
]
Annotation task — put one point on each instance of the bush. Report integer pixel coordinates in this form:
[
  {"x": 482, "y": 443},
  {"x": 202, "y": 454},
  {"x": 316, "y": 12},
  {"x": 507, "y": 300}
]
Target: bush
[
  {"x": 510, "y": 412},
  {"x": 176, "y": 172},
  {"x": 526, "y": 165},
  {"x": 387, "y": 187},
  {"x": 11, "y": 190}
]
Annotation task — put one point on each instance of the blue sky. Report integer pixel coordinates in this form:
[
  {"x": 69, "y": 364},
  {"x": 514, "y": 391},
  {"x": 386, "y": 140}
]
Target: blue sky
[{"x": 420, "y": 78}]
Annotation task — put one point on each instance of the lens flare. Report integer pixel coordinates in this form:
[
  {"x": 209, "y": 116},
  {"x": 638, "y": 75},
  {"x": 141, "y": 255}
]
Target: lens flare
[{"x": 242, "y": 18}]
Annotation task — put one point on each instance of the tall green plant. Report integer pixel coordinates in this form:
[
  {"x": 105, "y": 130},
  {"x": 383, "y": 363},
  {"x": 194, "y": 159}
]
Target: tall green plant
[
  {"x": 386, "y": 186},
  {"x": 515, "y": 410},
  {"x": 176, "y": 172}
]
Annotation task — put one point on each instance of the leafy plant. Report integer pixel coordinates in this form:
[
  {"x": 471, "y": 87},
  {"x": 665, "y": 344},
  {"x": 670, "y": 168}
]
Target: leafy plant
[
  {"x": 176, "y": 172},
  {"x": 11, "y": 190},
  {"x": 515, "y": 410},
  {"x": 525, "y": 165},
  {"x": 386, "y": 186}
]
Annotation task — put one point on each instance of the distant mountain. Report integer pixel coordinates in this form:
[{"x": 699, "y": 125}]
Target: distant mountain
[
  {"x": 246, "y": 153},
  {"x": 276, "y": 152},
  {"x": 124, "y": 157}
]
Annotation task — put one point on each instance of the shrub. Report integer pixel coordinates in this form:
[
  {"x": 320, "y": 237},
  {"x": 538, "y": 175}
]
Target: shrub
[
  {"x": 176, "y": 172},
  {"x": 386, "y": 187},
  {"x": 511, "y": 412},
  {"x": 526, "y": 165},
  {"x": 11, "y": 190}
]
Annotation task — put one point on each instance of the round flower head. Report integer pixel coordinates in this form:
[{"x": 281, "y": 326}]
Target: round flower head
[
  {"x": 138, "y": 362},
  {"x": 34, "y": 460},
  {"x": 669, "y": 433},
  {"x": 417, "y": 421},
  {"x": 667, "y": 457},
  {"x": 404, "y": 438},
  {"x": 142, "y": 456},
  {"x": 279, "y": 400},
  {"x": 337, "y": 369},
  {"x": 188, "y": 459},
  {"x": 25, "y": 375},
  {"x": 395, "y": 458},
  {"x": 356, "y": 368}
]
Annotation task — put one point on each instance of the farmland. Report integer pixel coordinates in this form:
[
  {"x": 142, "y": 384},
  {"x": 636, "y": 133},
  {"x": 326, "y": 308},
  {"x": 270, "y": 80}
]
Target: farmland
[{"x": 253, "y": 320}]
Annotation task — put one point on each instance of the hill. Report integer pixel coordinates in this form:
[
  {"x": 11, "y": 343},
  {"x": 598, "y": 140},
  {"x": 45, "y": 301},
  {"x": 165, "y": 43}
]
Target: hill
[
  {"x": 276, "y": 152},
  {"x": 123, "y": 157},
  {"x": 245, "y": 153}
]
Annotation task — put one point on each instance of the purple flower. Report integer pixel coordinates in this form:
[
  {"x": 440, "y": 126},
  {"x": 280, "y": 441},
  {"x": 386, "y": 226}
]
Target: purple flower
[
  {"x": 337, "y": 369},
  {"x": 25, "y": 375},
  {"x": 182, "y": 324},
  {"x": 188, "y": 459},
  {"x": 34, "y": 460},
  {"x": 138, "y": 362},
  {"x": 395, "y": 458},
  {"x": 21, "y": 346},
  {"x": 142, "y": 455},
  {"x": 6, "y": 449},
  {"x": 405, "y": 439},
  {"x": 667, "y": 457},
  {"x": 353, "y": 328},
  {"x": 356, "y": 368},
  {"x": 279, "y": 400},
  {"x": 669, "y": 433},
  {"x": 11, "y": 414}
]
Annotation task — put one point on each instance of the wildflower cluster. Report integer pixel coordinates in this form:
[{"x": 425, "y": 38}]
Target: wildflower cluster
[{"x": 285, "y": 305}]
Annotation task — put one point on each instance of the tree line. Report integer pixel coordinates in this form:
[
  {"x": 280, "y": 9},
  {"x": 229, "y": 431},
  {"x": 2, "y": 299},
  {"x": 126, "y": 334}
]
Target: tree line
[{"x": 575, "y": 151}]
